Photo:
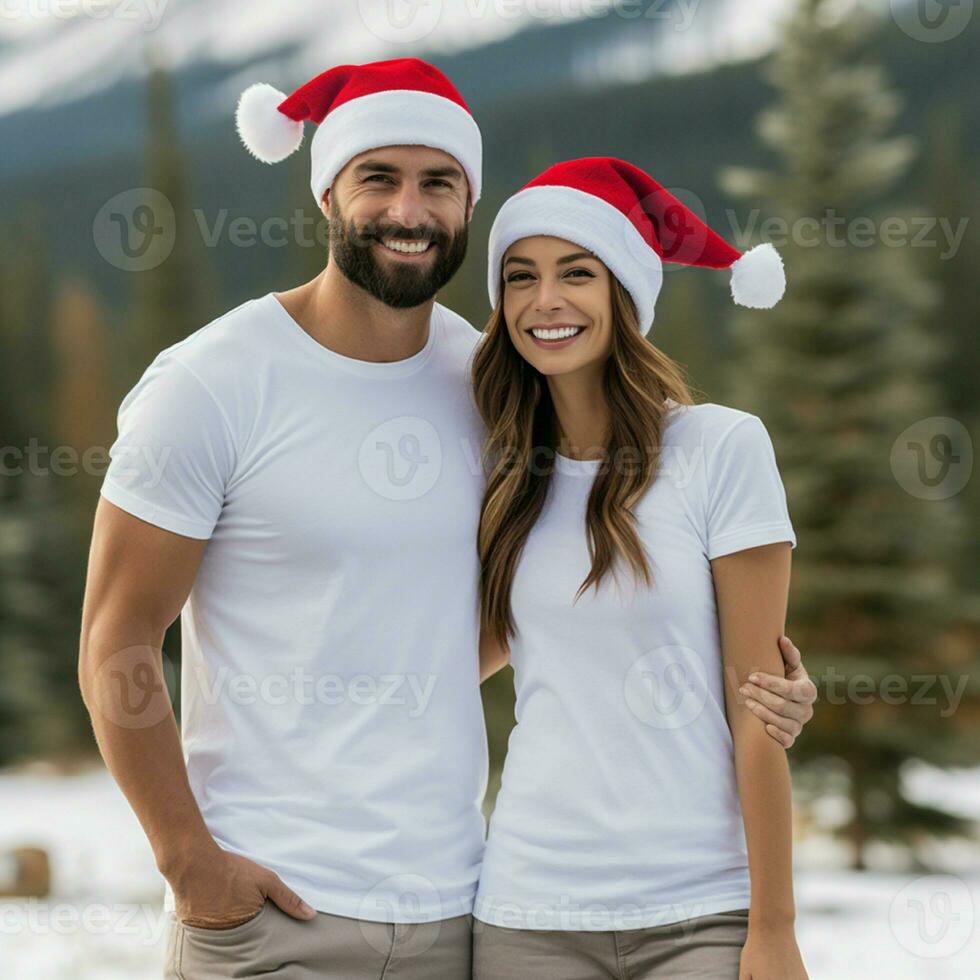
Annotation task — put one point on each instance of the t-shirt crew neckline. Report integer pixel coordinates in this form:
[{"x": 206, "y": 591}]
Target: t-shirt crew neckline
[
  {"x": 576, "y": 467},
  {"x": 588, "y": 467},
  {"x": 368, "y": 369}
]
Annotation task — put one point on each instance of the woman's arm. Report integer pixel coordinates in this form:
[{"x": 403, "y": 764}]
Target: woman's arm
[
  {"x": 493, "y": 656},
  {"x": 752, "y": 589}
]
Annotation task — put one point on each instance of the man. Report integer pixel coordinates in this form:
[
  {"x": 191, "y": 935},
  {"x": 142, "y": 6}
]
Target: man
[{"x": 300, "y": 480}]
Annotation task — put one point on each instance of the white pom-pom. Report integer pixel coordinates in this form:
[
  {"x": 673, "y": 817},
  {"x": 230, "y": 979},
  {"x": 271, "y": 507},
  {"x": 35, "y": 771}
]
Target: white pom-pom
[
  {"x": 758, "y": 278},
  {"x": 267, "y": 134}
]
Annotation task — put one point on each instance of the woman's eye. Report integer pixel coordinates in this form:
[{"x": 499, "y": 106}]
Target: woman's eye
[{"x": 578, "y": 273}]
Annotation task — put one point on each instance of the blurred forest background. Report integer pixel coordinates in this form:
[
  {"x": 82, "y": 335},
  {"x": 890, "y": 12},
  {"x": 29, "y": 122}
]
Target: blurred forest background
[{"x": 866, "y": 375}]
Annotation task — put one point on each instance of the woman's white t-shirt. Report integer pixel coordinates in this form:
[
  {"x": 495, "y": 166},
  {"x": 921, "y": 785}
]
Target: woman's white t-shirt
[{"x": 618, "y": 807}]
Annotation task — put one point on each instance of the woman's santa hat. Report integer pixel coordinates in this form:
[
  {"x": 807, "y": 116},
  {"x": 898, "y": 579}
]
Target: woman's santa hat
[
  {"x": 359, "y": 108},
  {"x": 633, "y": 225}
]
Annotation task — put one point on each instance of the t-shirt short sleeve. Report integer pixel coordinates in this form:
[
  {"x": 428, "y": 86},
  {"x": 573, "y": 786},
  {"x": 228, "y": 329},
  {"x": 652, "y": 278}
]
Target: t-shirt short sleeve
[
  {"x": 174, "y": 451},
  {"x": 746, "y": 500}
]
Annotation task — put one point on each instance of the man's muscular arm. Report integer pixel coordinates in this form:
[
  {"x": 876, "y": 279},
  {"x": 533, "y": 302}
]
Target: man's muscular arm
[{"x": 139, "y": 577}]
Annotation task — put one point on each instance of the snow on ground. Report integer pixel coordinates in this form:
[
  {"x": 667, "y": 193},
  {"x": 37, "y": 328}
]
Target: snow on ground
[{"x": 104, "y": 920}]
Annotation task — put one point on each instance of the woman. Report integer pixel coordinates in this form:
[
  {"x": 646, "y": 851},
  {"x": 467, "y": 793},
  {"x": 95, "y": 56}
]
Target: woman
[{"x": 635, "y": 551}]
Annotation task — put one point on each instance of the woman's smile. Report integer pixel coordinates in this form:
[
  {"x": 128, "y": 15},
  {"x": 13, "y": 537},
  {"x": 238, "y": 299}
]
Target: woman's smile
[{"x": 552, "y": 336}]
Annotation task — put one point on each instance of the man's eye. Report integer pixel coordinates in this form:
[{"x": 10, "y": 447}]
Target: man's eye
[
  {"x": 441, "y": 183},
  {"x": 377, "y": 177}
]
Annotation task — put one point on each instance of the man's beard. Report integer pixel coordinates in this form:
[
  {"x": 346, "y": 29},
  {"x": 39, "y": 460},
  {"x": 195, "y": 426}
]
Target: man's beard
[{"x": 398, "y": 285}]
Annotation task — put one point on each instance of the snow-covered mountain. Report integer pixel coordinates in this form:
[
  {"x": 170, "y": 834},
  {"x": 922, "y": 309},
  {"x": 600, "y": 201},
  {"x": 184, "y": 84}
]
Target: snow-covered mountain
[
  {"x": 73, "y": 85},
  {"x": 47, "y": 57}
]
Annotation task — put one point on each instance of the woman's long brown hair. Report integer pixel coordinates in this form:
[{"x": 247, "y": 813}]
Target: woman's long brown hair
[{"x": 522, "y": 434}]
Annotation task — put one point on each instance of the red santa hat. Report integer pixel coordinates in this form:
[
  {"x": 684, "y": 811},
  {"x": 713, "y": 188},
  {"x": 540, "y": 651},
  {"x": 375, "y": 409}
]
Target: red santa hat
[
  {"x": 359, "y": 108},
  {"x": 633, "y": 225}
]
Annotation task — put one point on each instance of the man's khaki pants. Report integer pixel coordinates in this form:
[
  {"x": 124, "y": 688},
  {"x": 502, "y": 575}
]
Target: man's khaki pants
[{"x": 329, "y": 947}]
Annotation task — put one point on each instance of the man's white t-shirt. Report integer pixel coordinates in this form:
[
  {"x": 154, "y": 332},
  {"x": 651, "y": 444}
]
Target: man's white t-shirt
[
  {"x": 618, "y": 806},
  {"x": 331, "y": 717}
]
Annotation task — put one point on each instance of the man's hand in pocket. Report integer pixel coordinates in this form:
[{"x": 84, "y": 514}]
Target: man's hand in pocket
[{"x": 218, "y": 890}]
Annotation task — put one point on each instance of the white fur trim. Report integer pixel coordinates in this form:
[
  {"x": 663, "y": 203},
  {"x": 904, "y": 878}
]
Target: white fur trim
[
  {"x": 589, "y": 221},
  {"x": 758, "y": 278},
  {"x": 394, "y": 118},
  {"x": 268, "y": 134}
]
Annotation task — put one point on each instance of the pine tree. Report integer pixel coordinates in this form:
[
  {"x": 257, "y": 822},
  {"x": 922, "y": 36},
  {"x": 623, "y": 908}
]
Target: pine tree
[
  {"x": 24, "y": 422},
  {"x": 15, "y": 686},
  {"x": 682, "y": 330},
  {"x": 837, "y": 371},
  {"x": 171, "y": 297},
  {"x": 954, "y": 193},
  {"x": 306, "y": 256},
  {"x": 25, "y": 288},
  {"x": 59, "y": 508},
  {"x": 83, "y": 404}
]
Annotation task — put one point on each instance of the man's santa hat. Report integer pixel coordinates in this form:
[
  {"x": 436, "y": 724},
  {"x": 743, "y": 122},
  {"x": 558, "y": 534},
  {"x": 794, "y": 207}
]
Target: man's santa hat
[
  {"x": 359, "y": 108},
  {"x": 633, "y": 225}
]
